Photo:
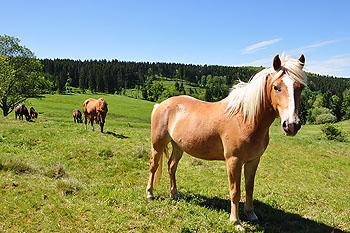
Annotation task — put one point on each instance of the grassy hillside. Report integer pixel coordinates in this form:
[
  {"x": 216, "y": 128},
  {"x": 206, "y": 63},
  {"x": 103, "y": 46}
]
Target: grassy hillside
[{"x": 55, "y": 176}]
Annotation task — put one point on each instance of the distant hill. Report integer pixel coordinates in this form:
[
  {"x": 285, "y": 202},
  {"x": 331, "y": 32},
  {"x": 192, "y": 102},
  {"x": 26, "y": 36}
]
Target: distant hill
[{"x": 114, "y": 76}]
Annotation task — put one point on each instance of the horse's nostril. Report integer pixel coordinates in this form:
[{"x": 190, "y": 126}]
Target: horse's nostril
[{"x": 284, "y": 125}]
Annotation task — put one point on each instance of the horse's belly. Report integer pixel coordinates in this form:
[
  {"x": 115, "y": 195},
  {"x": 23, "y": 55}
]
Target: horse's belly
[{"x": 209, "y": 149}]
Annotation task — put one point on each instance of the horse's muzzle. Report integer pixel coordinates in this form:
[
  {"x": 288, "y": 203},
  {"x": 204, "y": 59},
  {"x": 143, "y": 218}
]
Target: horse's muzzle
[{"x": 291, "y": 128}]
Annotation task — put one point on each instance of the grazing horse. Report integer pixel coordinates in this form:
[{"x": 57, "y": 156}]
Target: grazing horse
[
  {"x": 33, "y": 113},
  {"x": 77, "y": 116},
  {"x": 235, "y": 129},
  {"x": 95, "y": 110},
  {"x": 21, "y": 110}
]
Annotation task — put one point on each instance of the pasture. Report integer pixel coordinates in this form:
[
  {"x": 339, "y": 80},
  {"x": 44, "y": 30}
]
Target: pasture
[{"x": 55, "y": 176}]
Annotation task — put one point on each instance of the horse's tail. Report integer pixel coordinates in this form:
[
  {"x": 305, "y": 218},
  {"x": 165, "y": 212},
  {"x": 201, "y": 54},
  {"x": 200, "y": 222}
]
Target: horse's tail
[
  {"x": 154, "y": 108},
  {"x": 84, "y": 106},
  {"x": 159, "y": 170}
]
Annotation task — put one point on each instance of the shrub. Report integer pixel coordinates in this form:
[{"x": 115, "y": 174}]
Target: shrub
[
  {"x": 325, "y": 118},
  {"x": 318, "y": 111},
  {"x": 332, "y": 132}
]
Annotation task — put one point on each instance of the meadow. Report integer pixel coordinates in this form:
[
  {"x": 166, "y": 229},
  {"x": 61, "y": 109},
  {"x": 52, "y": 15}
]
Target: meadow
[{"x": 55, "y": 176}]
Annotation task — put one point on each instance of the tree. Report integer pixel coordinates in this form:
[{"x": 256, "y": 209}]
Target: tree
[
  {"x": 346, "y": 104},
  {"x": 19, "y": 74},
  {"x": 155, "y": 91},
  {"x": 336, "y": 106}
]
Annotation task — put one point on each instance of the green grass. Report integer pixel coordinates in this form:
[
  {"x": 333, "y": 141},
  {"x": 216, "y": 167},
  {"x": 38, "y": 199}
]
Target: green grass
[{"x": 55, "y": 176}]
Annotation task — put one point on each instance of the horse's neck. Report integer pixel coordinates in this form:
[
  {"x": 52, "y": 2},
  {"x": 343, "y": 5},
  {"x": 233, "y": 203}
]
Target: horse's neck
[{"x": 267, "y": 115}]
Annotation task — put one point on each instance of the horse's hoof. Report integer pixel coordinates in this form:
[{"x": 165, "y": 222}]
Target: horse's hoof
[
  {"x": 175, "y": 197},
  {"x": 240, "y": 228},
  {"x": 150, "y": 197},
  {"x": 252, "y": 217}
]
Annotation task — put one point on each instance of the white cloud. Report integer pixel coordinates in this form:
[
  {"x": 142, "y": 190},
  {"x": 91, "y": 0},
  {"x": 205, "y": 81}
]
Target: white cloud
[
  {"x": 261, "y": 62},
  {"x": 260, "y": 45},
  {"x": 338, "y": 66},
  {"x": 321, "y": 44},
  {"x": 308, "y": 48}
]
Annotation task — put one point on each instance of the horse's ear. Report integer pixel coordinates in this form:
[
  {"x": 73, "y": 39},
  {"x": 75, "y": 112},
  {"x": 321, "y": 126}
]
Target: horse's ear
[
  {"x": 302, "y": 59},
  {"x": 277, "y": 62}
]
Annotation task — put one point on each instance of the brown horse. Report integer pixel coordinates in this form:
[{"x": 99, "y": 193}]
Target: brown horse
[
  {"x": 235, "y": 129},
  {"x": 95, "y": 110},
  {"x": 77, "y": 116},
  {"x": 21, "y": 110},
  {"x": 33, "y": 113}
]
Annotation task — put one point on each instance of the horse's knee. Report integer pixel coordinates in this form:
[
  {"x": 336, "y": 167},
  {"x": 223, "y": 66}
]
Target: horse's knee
[
  {"x": 235, "y": 196},
  {"x": 153, "y": 165}
]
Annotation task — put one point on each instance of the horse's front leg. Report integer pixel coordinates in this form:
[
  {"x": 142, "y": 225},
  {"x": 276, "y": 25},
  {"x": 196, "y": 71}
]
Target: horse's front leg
[
  {"x": 249, "y": 175},
  {"x": 234, "y": 170},
  {"x": 172, "y": 166},
  {"x": 101, "y": 126}
]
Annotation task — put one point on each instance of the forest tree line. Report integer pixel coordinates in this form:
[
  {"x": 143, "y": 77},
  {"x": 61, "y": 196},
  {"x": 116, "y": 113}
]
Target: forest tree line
[{"x": 326, "y": 99}]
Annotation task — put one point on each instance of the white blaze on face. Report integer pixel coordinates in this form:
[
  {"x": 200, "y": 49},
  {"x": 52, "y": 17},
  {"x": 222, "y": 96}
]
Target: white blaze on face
[
  {"x": 180, "y": 114},
  {"x": 290, "y": 87}
]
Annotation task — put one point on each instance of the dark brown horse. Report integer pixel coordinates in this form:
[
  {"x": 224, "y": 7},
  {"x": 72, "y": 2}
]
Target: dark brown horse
[
  {"x": 33, "y": 113},
  {"x": 21, "y": 110},
  {"x": 77, "y": 116},
  {"x": 95, "y": 110}
]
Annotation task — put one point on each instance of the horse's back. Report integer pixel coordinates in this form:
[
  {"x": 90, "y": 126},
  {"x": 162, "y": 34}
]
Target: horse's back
[{"x": 76, "y": 113}]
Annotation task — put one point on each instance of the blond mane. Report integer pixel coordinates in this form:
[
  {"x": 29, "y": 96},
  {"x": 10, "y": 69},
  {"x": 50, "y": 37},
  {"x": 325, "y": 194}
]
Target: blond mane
[{"x": 249, "y": 97}]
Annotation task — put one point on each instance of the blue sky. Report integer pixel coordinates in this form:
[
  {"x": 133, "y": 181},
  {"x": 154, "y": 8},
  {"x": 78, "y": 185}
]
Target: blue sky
[{"x": 233, "y": 33}]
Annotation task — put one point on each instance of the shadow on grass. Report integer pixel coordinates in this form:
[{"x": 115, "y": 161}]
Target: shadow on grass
[
  {"x": 271, "y": 219},
  {"x": 116, "y": 135}
]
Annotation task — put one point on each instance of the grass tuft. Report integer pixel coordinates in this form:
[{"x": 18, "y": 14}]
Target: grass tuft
[
  {"x": 16, "y": 165},
  {"x": 56, "y": 172},
  {"x": 69, "y": 187},
  {"x": 106, "y": 153},
  {"x": 142, "y": 153}
]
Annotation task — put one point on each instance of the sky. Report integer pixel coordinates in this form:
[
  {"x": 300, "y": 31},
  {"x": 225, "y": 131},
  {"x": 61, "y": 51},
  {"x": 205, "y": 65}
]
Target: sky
[{"x": 230, "y": 33}]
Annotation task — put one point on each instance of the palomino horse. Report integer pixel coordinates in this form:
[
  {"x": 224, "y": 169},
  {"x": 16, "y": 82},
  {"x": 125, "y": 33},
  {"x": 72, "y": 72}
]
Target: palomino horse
[
  {"x": 77, "y": 116},
  {"x": 33, "y": 114},
  {"x": 95, "y": 110},
  {"x": 21, "y": 110},
  {"x": 235, "y": 129}
]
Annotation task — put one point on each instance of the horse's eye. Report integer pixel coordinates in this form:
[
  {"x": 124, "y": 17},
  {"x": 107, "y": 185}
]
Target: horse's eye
[{"x": 276, "y": 88}]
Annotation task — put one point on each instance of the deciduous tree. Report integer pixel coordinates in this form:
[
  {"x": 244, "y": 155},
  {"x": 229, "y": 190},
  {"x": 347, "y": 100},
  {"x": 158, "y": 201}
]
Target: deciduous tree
[{"x": 19, "y": 74}]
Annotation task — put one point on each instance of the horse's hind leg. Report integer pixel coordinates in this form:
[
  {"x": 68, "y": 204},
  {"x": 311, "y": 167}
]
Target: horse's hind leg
[
  {"x": 157, "y": 153},
  {"x": 249, "y": 175},
  {"x": 156, "y": 164},
  {"x": 85, "y": 120},
  {"x": 172, "y": 166}
]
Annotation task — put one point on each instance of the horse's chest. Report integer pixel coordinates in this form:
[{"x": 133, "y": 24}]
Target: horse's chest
[
  {"x": 246, "y": 145},
  {"x": 253, "y": 145}
]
